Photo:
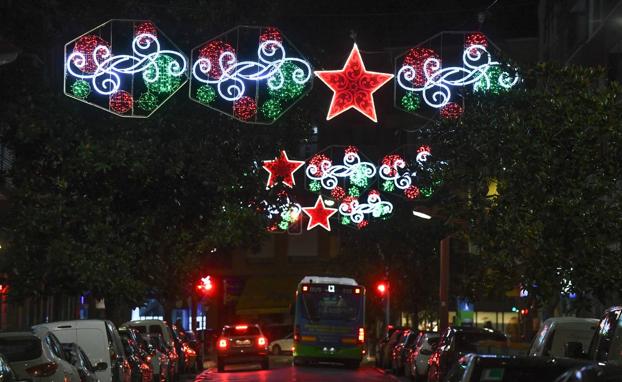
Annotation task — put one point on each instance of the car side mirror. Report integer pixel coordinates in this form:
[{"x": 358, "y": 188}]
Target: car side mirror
[
  {"x": 101, "y": 366},
  {"x": 574, "y": 350},
  {"x": 425, "y": 351}
]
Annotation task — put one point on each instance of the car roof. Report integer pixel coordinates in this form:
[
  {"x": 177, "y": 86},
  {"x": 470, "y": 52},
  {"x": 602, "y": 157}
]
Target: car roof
[
  {"x": 527, "y": 361},
  {"x": 23, "y": 334},
  {"x": 571, "y": 320},
  {"x": 145, "y": 322},
  {"x": 78, "y": 324}
]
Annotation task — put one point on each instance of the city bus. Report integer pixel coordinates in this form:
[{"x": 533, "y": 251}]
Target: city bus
[{"x": 329, "y": 321}]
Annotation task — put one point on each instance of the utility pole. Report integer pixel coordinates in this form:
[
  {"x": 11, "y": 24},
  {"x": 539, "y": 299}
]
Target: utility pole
[{"x": 444, "y": 285}]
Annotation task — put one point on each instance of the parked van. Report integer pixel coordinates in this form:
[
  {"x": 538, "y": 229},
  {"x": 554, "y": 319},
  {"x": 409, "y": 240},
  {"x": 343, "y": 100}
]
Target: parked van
[
  {"x": 556, "y": 333},
  {"x": 100, "y": 341},
  {"x": 158, "y": 327}
]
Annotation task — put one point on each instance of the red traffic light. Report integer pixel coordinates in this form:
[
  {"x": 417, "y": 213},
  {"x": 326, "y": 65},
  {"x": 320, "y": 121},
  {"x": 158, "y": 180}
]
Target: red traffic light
[
  {"x": 382, "y": 288},
  {"x": 205, "y": 286},
  {"x": 524, "y": 312}
]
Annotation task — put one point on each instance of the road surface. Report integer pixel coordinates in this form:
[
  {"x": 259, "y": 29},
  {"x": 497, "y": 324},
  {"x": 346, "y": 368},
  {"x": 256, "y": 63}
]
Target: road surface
[{"x": 281, "y": 370}]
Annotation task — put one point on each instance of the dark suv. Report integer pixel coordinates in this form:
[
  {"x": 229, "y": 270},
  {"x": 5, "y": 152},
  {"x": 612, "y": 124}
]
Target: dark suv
[
  {"x": 242, "y": 344},
  {"x": 457, "y": 341}
]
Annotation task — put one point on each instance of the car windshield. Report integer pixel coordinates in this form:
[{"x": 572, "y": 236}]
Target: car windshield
[
  {"x": 240, "y": 331},
  {"x": 482, "y": 343},
  {"x": 20, "y": 349},
  {"x": 332, "y": 306}
]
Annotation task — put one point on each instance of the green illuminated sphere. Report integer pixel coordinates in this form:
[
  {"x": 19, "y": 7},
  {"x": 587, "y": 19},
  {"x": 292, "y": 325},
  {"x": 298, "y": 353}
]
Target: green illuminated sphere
[
  {"x": 271, "y": 109},
  {"x": 81, "y": 89},
  {"x": 315, "y": 186},
  {"x": 290, "y": 89},
  {"x": 359, "y": 178},
  {"x": 410, "y": 102},
  {"x": 206, "y": 94},
  {"x": 161, "y": 81},
  {"x": 345, "y": 220},
  {"x": 284, "y": 225},
  {"x": 388, "y": 186},
  {"x": 354, "y": 191},
  {"x": 147, "y": 101},
  {"x": 426, "y": 191},
  {"x": 494, "y": 72}
]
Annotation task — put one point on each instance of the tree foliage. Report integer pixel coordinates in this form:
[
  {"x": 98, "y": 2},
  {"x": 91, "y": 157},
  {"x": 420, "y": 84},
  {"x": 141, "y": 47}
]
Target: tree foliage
[{"x": 553, "y": 149}]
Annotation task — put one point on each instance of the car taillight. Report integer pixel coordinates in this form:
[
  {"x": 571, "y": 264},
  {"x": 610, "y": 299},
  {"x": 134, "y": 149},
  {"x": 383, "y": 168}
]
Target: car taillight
[
  {"x": 222, "y": 343},
  {"x": 148, "y": 358},
  {"x": 297, "y": 333},
  {"x": 361, "y": 337},
  {"x": 261, "y": 341},
  {"x": 43, "y": 370}
]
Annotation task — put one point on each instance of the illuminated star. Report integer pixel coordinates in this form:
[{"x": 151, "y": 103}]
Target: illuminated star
[
  {"x": 319, "y": 214},
  {"x": 282, "y": 168},
  {"x": 353, "y": 86}
]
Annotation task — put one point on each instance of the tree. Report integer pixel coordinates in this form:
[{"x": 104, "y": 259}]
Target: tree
[{"x": 553, "y": 150}]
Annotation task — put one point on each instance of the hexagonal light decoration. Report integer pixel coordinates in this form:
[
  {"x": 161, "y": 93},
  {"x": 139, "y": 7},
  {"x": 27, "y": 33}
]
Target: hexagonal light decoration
[
  {"x": 252, "y": 74},
  {"x": 126, "y": 67},
  {"x": 433, "y": 78}
]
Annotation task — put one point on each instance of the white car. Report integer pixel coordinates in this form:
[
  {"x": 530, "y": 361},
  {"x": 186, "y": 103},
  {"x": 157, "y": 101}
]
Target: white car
[
  {"x": 416, "y": 366},
  {"x": 284, "y": 345},
  {"x": 37, "y": 356},
  {"x": 100, "y": 341},
  {"x": 555, "y": 333}
]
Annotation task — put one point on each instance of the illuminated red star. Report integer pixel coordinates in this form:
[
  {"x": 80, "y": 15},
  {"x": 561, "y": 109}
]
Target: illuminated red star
[
  {"x": 282, "y": 168},
  {"x": 353, "y": 86},
  {"x": 319, "y": 214}
]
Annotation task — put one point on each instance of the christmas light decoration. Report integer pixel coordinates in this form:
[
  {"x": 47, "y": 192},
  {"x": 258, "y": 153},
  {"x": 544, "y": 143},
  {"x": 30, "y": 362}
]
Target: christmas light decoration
[
  {"x": 282, "y": 213},
  {"x": 319, "y": 215},
  {"x": 143, "y": 67},
  {"x": 282, "y": 168},
  {"x": 375, "y": 207},
  {"x": 244, "y": 108},
  {"x": 272, "y": 108},
  {"x": 451, "y": 110},
  {"x": 353, "y": 86},
  {"x": 354, "y": 191},
  {"x": 147, "y": 101},
  {"x": 315, "y": 186},
  {"x": 338, "y": 193},
  {"x": 81, "y": 89},
  {"x": 412, "y": 192},
  {"x": 327, "y": 173},
  {"x": 266, "y": 69},
  {"x": 206, "y": 94},
  {"x": 430, "y": 77},
  {"x": 121, "y": 102}
]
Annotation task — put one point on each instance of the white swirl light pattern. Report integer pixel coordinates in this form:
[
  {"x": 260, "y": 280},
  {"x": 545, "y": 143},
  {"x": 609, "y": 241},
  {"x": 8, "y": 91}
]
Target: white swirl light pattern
[
  {"x": 231, "y": 84},
  {"x": 403, "y": 180},
  {"x": 106, "y": 79},
  {"x": 327, "y": 173},
  {"x": 375, "y": 206},
  {"x": 437, "y": 91}
]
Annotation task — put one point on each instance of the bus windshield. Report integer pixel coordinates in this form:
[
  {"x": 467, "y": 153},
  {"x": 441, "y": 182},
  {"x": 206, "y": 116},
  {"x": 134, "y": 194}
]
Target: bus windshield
[{"x": 341, "y": 305}]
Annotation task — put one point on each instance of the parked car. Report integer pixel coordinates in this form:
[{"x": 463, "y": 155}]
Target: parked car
[
  {"x": 457, "y": 341},
  {"x": 100, "y": 341},
  {"x": 416, "y": 365},
  {"x": 504, "y": 368},
  {"x": 387, "y": 348},
  {"x": 382, "y": 343},
  {"x": 156, "y": 359},
  {"x": 398, "y": 355},
  {"x": 594, "y": 372},
  {"x": 284, "y": 345},
  {"x": 141, "y": 365},
  {"x": 169, "y": 357},
  {"x": 78, "y": 358},
  {"x": 6, "y": 372},
  {"x": 188, "y": 356},
  {"x": 161, "y": 328},
  {"x": 555, "y": 333},
  {"x": 242, "y": 344},
  {"x": 195, "y": 344},
  {"x": 606, "y": 345},
  {"x": 37, "y": 356}
]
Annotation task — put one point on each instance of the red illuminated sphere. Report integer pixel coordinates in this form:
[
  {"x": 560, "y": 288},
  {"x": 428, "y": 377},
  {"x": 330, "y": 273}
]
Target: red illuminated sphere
[
  {"x": 270, "y": 34},
  {"x": 245, "y": 108},
  {"x": 338, "y": 193},
  {"x": 351, "y": 150},
  {"x": 86, "y": 45},
  {"x": 146, "y": 27},
  {"x": 317, "y": 161},
  {"x": 476, "y": 38},
  {"x": 374, "y": 192},
  {"x": 363, "y": 224},
  {"x": 451, "y": 111},
  {"x": 412, "y": 192},
  {"x": 416, "y": 57},
  {"x": 212, "y": 52},
  {"x": 121, "y": 102},
  {"x": 390, "y": 160}
]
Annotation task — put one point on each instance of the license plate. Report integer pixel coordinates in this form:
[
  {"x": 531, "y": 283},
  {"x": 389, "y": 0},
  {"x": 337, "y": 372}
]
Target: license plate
[{"x": 243, "y": 342}]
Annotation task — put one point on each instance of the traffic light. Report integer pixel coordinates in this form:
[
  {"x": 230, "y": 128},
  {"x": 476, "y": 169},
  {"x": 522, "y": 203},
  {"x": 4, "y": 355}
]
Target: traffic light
[
  {"x": 205, "y": 286},
  {"x": 524, "y": 312},
  {"x": 382, "y": 288}
]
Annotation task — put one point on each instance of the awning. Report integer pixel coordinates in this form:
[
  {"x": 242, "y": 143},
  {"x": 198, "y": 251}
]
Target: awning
[{"x": 267, "y": 295}]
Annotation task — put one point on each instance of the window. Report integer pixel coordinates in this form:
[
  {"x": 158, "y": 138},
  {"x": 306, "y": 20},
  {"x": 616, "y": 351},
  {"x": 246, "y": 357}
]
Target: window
[
  {"x": 55, "y": 346},
  {"x": 20, "y": 349}
]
